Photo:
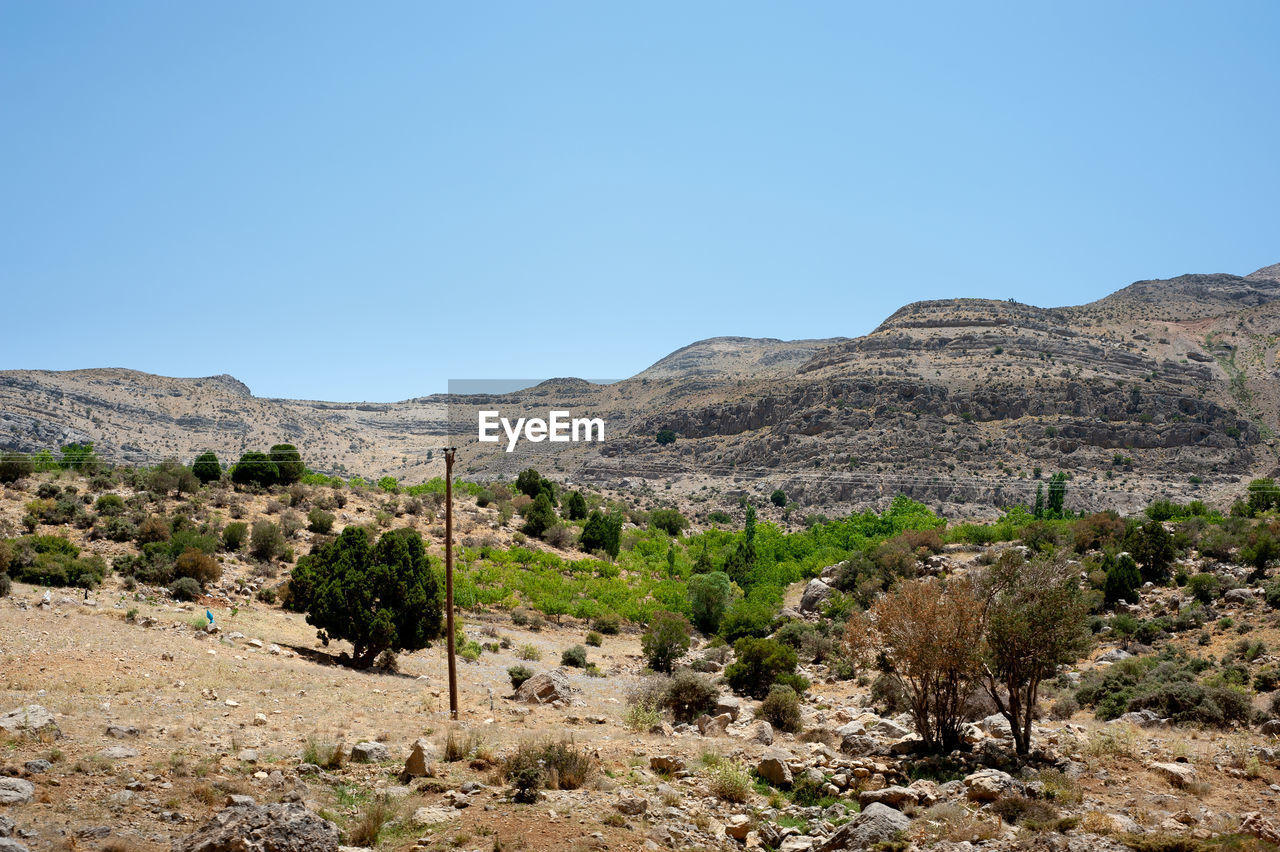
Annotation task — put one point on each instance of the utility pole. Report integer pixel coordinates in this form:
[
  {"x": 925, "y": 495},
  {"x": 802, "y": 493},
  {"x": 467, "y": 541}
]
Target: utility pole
[{"x": 448, "y": 579}]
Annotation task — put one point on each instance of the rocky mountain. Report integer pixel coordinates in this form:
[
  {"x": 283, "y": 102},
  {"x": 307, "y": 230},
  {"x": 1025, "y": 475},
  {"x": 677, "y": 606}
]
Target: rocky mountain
[{"x": 1162, "y": 388}]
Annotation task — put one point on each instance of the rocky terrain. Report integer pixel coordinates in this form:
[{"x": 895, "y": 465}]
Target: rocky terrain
[{"x": 1164, "y": 387}]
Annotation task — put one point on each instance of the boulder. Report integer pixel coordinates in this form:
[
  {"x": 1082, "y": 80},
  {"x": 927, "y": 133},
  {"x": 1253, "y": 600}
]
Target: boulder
[
  {"x": 15, "y": 791},
  {"x": 815, "y": 595},
  {"x": 988, "y": 785},
  {"x": 774, "y": 769},
  {"x": 859, "y": 746},
  {"x": 729, "y": 704},
  {"x": 1260, "y": 827},
  {"x": 738, "y": 826},
  {"x": 714, "y": 726},
  {"x": 995, "y": 725},
  {"x": 894, "y": 797},
  {"x": 888, "y": 728},
  {"x": 369, "y": 752},
  {"x": 1143, "y": 719},
  {"x": 876, "y": 823},
  {"x": 10, "y": 845},
  {"x": 123, "y": 732},
  {"x": 31, "y": 720},
  {"x": 6, "y": 827},
  {"x": 421, "y": 756},
  {"x": 666, "y": 763},
  {"x": 1270, "y": 728},
  {"x": 796, "y": 843},
  {"x": 1177, "y": 774},
  {"x": 760, "y": 731},
  {"x": 1115, "y": 655},
  {"x": 118, "y": 752},
  {"x": 287, "y": 827},
  {"x": 629, "y": 805},
  {"x": 1238, "y": 596},
  {"x": 546, "y": 688}
]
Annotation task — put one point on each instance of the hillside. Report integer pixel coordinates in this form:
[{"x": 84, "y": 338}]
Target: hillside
[{"x": 1162, "y": 388}]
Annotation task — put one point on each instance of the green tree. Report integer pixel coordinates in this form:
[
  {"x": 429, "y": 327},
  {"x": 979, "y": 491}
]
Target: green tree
[
  {"x": 759, "y": 665},
  {"x": 1036, "y": 620},
  {"x": 14, "y": 466},
  {"x": 81, "y": 457},
  {"x": 710, "y": 596},
  {"x": 1261, "y": 550},
  {"x": 255, "y": 469},
  {"x": 1262, "y": 495},
  {"x": 531, "y": 484},
  {"x": 379, "y": 597},
  {"x": 778, "y": 498},
  {"x": 1056, "y": 506},
  {"x": 1153, "y": 548},
  {"x": 669, "y": 521},
  {"x": 602, "y": 532},
  {"x": 539, "y": 516},
  {"x": 743, "y": 557},
  {"x": 1123, "y": 580},
  {"x": 575, "y": 506},
  {"x": 1038, "y": 509},
  {"x": 288, "y": 462},
  {"x": 666, "y": 436},
  {"x": 666, "y": 640},
  {"x": 206, "y": 468}
]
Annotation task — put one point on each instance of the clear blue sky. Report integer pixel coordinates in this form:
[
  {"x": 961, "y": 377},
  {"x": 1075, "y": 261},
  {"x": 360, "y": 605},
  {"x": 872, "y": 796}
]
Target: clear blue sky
[{"x": 360, "y": 201}]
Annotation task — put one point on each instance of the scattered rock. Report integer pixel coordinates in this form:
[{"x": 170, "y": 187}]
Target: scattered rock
[
  {"x": 29, "y": 720},
  {"x": 1142, "y": 718},
  {"x": 774, "y": 769},
  {"x": 546, "y": 688},
  {"x": 815, "y": 595},
  {"x": 730, "y": 704},
  {"x": 6, "y": 827},
  {"x": 1177, "y": 774},
  {"x": 1270, "y": 728},
  {"x": 1115, "y": 655},
  {"x": 631, "y": 805},
  {"x": 15, "y": 791},
  {"x": 666, "y": 763},
  {"x": 988, "y": 785},
  {"x": 714, "y": 726},
  {"x": 738, "y": 826},
  {"x": 760, "y": 731},
  {"x": 287, "y": 827},
  {"x": 10, "y": 845},
  {"x": 36, "y": 767},
  {"x": 894, "y": 797},
  {"x": 1260, "y": 827},
  {"x": 123, "y": 732},
  {"x": 369, "y": 752},
  {"x": 876, "y": 823},
  {"x": 421, "y": 756}
]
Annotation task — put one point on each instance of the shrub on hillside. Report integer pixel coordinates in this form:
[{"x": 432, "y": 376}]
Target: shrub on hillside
[
  {"x": 781, "y": 708},
  {"x": 575, "y": 656},
  {"x": 319, "y": 521},
  {"x": 710, "y": 596},
  {"x": 519, "y": 674},
  {"x": 666, "y": 640},
  {"x": 669, "y": 521},
  {"x": 234, "y": 535},
  {"x": 184, "y": 589},
  {"x": 760, "y": 664},
  {"x": 198, "y": 566},
  {"x": 266, "y": 542},
  {"x": 688, "y": 695}
]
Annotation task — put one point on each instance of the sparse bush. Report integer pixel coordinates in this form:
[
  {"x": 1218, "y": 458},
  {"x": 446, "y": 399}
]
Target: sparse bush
[
  {"x": 666, "y": 640},
  {"x": 688, "y": 695},
  {"x": 594, "y": 639},
  {"x": 609, "y": 624},
  {"x": 729, "y": 780},
  {"x": 198, "y": 566},
  {"x": 234, "y": 536},
  {"x": 266, "y": 541},
  {"x": 319, "y": 521},
  {"x": 781, "y": 708},
  {"x": 530, "y": 652},
  {"x": 518, "y": 675},
  {"x": 575, "y": 657},
  {"x": 184, "y": 589},
  {"x": 669, "y": 521}
]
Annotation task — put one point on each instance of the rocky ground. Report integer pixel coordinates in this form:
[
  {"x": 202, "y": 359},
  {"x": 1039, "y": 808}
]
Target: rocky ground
[{"x": 133, "y": 727}]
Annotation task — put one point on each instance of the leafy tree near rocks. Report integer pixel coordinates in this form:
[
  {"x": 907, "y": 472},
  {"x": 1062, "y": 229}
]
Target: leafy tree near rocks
[
  {"x": 531, "y": 484},
  {"x": 266, "y": 541},
  {"x": 778, "y": 498},
  {"x": 81, "y": 457},
  {"x": 602, "y": 532},
  {"x": 206, "y": 468},
  {"x": 666, "y": 436},
  {"x": 575, "y": 507},
  {"x": 379, "y": 597},
  {"x": 760, "y": 664},
  {"x": 925, "y": 635},
  {"x": 710, "y": 596},
  {"x": 14, "y": 466},
  {"x": 1123, "y": 580},
  {"x": 743, "y": 557},
  {"x": 288, "y": 462},
  {"x": 255, "y": 469},
  {"x": 669, "y": 521},
  {"x": 666, "y": 640},
  {"x": 1260, "y": 551},
  {"x": 1262, "y": 495},
  {"x": 781, "y": 709},
  {"x": 1153, "y": 548},
  {"x": 1036, "y": 620},
  {"x": 1055, "y": 506},
  {"x": 539, "y": 516}
]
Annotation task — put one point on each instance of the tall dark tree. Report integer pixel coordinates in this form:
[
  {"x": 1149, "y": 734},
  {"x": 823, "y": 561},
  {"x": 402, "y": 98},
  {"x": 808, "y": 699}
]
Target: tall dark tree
[
  {"x": 379, "y": 597},
  {"x": 602, "y": 532},
  {"x": 1152, "y": 546},
  {"x": 288, "y": 462},
  {"x": 539, "y": 516},
  {"x": 575, "y": 506},
  {"x": 206, "y": 468},
  {"x": 255, "y": 469},
  {"x": 1056, "y": 507},
  {"x": 14, "y": 466}
]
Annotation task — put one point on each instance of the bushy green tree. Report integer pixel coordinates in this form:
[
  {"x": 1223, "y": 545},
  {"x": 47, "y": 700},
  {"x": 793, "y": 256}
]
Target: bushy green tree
[
  {"x": 710, "y": 596},
  {"x": 1153, "y": 548},
  {"x": 602, "y": 532},
  {"x": 379, "y": 597},
  {"x": 81, "y": 457},
  {"x": 255, "y": 469},
  {"x": 666, "y": 436},
  {"x": 1056, "y": 504},
  {"x": 1123, "y": 580},
  {"x": 669, "y": 521},
  {"x": 1262, "y": 495},
  {"x": 539, "y": 516},
  {"x": 531, "y": 484},
  {"x": 666, "y": 640},
  {"x": 1261, "y": 550},
  {"x": 288, "y": 462},
  {"x": 759, "y": 665},
  {"x": 206, "y": 468},
  {"x": 14, "y": 466},
  {"x": 778, "y": 498},
  {"x": 575, "y": 507}
]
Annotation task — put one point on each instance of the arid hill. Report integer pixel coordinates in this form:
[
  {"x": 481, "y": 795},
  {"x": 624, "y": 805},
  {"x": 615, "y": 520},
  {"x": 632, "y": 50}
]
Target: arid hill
[{"x": 1164, "y": 387}]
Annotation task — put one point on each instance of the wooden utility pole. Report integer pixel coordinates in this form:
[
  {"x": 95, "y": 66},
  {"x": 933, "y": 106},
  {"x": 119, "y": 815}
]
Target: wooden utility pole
[{"x": 448, "y": 579}]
